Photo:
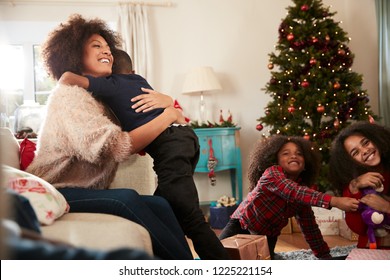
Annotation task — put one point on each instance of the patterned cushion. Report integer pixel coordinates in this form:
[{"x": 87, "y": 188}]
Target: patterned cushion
[{"x": 47, "y": 202}]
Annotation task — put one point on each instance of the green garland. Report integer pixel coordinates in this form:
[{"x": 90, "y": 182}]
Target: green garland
[{"x": 196, "y": 124}]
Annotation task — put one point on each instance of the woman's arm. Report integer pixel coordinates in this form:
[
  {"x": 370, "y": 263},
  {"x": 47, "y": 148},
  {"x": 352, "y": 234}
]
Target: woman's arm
[
  {"x": 145, "y": 134},
  {"x": 151, "y": 100}
]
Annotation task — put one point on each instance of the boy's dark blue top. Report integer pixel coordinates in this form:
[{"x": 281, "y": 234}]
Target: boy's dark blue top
[{"x": 116, "y": 91}]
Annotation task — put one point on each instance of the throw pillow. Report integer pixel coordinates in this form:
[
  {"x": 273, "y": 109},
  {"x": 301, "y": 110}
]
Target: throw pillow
[
  {"x": 27, "y": 153},
  {"x": 48, "y": 203}
]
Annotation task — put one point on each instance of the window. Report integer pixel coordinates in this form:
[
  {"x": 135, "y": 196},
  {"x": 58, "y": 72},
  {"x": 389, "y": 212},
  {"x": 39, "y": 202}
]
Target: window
[
  {"x": 43, "y": 83},
  {"x": 23, "y": 80},
  {"x": 12, "y": 73}
]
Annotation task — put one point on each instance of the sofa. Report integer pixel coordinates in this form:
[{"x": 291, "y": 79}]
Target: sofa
[{"x": 95, "y": 230}]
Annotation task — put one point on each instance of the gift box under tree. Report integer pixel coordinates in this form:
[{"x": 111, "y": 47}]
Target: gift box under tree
[{"x": 221, "y": 211}]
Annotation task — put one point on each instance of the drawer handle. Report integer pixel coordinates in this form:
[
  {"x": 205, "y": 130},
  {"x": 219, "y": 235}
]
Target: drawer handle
[{"x": 211, "y": 164}]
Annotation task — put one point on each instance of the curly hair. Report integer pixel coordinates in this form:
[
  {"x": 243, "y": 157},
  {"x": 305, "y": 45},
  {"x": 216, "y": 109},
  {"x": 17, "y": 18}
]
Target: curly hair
[
  {"x": 342, "y": 167},
  {"x": 63, "y": 49},
  {"x": 265, "y": 154}
]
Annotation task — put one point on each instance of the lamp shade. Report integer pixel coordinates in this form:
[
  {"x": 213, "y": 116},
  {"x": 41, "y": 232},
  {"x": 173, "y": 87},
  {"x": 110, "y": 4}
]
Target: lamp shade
[{"x": 201, "y": 79}]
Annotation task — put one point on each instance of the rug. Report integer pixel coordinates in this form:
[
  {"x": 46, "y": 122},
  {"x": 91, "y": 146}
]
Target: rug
[{"x": 338, "y": 252}]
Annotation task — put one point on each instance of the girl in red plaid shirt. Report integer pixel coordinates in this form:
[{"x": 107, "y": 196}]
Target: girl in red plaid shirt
[{"x": 280, "y": 171}]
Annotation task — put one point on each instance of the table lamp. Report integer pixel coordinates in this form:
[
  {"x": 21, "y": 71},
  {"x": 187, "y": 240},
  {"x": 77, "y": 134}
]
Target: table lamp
[{"x": 201, "y": 80}]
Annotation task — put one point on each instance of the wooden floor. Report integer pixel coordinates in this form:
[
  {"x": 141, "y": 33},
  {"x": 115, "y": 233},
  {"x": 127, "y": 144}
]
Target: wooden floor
[{"x": 296, "y": 241}]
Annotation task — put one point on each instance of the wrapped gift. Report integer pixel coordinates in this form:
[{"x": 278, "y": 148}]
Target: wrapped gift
[
  {"x": 328, "y": 220},
  {"x": 368, "y": 254},
  {"x": 247, "y": 247},
  {"x": 346, "y": 232},
  {"x": 219, "y": 216}
]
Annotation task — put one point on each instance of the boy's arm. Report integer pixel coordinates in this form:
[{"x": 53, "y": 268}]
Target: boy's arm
[{"x": 69, "y": 78}]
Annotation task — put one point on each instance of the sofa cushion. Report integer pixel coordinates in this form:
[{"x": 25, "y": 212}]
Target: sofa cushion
[
  {"x": 136, "y": 173},
  {"x": 48, "y": 203},
  {"x": 99, "y": 231},
  {"x": 9, "y": 148}
]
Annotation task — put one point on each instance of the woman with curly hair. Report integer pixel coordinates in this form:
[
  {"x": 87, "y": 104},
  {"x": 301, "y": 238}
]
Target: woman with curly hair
[
  {"x": 360, "y": 158},
  {"x": 81, "y": 144},
  {"x": 280, "y": 172}
]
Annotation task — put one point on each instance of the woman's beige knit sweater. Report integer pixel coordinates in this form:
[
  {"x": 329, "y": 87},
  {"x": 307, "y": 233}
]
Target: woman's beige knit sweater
[{"x": 78, "y": 144}]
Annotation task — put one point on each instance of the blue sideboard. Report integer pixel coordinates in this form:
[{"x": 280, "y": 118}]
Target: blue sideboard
[{"x": 226, "y": 145}]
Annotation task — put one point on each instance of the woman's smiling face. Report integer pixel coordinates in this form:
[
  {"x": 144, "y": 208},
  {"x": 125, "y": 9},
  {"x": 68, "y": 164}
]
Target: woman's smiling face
[
  {"x": 362, "y": 150},
  {"x": 97, "y": 57}
]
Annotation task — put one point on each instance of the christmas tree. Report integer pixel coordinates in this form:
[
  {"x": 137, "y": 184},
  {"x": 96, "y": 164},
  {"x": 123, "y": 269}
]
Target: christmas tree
[{"x": 315, "y": 92}]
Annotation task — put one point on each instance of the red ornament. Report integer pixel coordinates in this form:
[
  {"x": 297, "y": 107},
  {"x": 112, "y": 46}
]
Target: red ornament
[
  {"x": 306, "y": 137},
  {"x": 270, "y": 66},
  {"x": 290, "y": 37},
  {"x": 336, "y": 123},
  {"x": 304, "y": 8},
  {"x": 341, "y": 52},
  {"x": 320, "y": 108},
  {"x": 259, "y": 127},
  {"x": 313, "y": 61},
  {"x": 305, "y": 84},
  {"x": 314, "y": 40},
  {"x": 291, "y": 109},
  {"x": 336, "y": 85}
]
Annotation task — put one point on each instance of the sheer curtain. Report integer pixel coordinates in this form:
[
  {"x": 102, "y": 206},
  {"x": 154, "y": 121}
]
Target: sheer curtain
[
  {"x": 134, "y": 29},
  {"x": 383, "y": 14}
]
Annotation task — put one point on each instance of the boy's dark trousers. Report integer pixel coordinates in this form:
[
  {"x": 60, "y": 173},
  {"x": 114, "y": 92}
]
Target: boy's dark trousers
[{"x": 175, "y": 153}]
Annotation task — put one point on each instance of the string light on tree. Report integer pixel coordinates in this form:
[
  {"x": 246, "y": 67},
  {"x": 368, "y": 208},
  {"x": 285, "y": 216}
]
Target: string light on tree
[{"x": 314, "y": 91}]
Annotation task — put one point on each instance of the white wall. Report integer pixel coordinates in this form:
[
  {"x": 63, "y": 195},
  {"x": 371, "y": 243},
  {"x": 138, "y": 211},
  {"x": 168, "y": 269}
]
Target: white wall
[{"x": 234, "y": 37}]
